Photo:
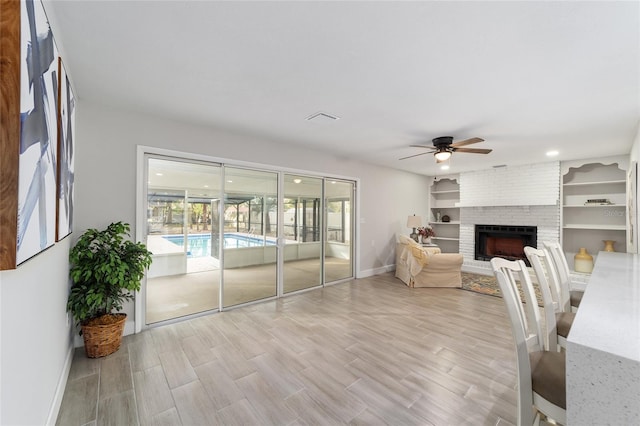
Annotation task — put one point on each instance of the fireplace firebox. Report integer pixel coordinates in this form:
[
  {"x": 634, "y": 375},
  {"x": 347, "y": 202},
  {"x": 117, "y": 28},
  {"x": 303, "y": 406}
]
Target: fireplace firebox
[{"x": 504, "y": 241}]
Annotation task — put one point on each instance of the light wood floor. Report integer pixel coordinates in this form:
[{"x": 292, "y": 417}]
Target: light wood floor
[{"x": 369, "y": 351}]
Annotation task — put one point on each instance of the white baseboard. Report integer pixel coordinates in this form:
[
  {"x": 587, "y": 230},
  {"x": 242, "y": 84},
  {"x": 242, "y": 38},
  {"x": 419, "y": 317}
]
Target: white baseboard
[
  {"x": 376, "y": 271},
  {"x": 129, "y": 326},
  {"x": 62, "y": 384}
]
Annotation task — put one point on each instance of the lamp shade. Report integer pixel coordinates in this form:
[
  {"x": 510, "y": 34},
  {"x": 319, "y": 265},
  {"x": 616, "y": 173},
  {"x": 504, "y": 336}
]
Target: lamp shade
[{"x": 414, "y": 221}]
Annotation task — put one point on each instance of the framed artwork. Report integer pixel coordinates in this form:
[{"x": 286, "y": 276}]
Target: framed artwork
[
  {"x": 632, "y": 208},
  {"x": 36, "y": 225},
  {"x": 66, "y": 148}
]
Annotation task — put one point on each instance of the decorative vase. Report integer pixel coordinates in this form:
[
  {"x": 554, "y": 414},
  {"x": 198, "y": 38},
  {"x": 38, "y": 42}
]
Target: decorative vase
[
  {"x": 426, "y": 240},
  {"x": 583, "y": 261},
  {"x": 608, "y": 245}
]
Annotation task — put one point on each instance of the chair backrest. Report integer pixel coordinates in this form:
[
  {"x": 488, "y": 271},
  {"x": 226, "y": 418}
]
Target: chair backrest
[
  {"x": 545, "y": 273},
  {"x": 563, "y": 273},
  {"x": 526, "y": 326}
]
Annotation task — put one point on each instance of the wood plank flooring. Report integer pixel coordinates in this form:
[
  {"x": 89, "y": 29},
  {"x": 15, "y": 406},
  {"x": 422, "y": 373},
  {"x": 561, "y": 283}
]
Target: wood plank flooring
[{"x": 367, "y": 352}]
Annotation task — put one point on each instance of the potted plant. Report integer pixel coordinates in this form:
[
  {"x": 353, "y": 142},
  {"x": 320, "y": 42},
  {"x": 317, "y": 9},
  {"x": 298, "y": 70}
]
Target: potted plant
[{"x": 105, "y": 270}]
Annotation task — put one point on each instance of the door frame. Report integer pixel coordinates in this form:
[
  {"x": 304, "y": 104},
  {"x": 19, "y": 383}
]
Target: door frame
[{"x": 141, "y": 222}]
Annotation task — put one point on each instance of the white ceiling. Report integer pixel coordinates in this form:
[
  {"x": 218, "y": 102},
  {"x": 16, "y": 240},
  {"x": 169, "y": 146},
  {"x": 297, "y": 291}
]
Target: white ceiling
[{"x": 527, "y": 77}]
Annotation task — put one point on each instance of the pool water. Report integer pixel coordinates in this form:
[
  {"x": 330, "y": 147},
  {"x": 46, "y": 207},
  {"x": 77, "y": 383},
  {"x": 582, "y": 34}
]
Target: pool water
[{"x": 199, "y": 245}]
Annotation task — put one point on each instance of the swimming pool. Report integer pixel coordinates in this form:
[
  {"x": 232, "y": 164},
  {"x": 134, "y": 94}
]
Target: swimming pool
[{"x": 199, "y": 245}]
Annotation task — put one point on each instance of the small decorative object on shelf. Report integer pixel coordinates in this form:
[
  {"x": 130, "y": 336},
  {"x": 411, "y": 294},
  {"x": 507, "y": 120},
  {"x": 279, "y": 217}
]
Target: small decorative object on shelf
[
  {"x": 608, "y": 245},
  {"x": 597, "y": 202},
  {"x": 583, "y": 261},
  {"x": 438, "y": 216},
  {"x": 446, "y": 218}
]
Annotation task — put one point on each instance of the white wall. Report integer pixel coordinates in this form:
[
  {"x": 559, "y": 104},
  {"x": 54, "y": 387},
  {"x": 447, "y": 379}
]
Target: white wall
[
  {"x": 35, "y": 340},
  {"x": 523, "y": 185}
]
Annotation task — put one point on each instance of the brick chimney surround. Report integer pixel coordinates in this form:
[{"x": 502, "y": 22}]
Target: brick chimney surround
[{"x": 525, "y": 195}]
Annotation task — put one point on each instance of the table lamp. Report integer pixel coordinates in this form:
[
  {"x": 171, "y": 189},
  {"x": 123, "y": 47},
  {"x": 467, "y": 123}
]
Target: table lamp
[{"x": 414, "y": 222}]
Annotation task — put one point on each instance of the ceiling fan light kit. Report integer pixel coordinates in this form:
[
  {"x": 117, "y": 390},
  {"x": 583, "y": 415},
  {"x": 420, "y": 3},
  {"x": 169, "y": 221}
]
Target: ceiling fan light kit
[{"x": 442, "y": 155}]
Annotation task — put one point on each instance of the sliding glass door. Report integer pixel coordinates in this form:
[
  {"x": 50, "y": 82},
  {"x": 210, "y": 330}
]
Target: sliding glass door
[
  {"x": 302, "y": 232},
  {"x": 222, "y": 236},
  {"x": 250, "y": 235},
  {"x": 184, "y": 277},
  {"x": 338, "y": 248}
]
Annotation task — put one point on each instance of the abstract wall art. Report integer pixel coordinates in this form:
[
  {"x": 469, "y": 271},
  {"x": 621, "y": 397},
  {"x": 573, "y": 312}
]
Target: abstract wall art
[
  {"x": 66, "y": 132},
  {"x": 38, "y": 133}
]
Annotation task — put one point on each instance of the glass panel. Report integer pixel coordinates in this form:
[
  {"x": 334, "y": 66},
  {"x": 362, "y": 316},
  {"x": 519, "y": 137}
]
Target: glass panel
[
  {"x": 250, "y": 234},
  {"x": 339, "y": 230},
  {"x": 303, "y": 247},
  {"x": 184, "y": 277}
]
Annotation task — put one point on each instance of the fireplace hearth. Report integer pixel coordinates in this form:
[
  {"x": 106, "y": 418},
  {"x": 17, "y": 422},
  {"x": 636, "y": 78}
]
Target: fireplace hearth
[{"x": 504, "y": 241}]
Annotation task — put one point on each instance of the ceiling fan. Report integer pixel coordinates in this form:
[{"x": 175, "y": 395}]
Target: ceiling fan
[{"x": 444, "y": 146}]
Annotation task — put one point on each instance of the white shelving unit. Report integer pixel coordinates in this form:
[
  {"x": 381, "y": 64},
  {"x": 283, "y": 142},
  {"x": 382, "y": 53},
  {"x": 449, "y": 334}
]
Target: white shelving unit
[
  {"x": 445, "y": 199},
  {"x": 588, "y": 224}
]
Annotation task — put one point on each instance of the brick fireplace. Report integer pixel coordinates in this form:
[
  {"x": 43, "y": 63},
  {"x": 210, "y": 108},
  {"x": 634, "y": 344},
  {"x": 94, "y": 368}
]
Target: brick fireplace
[{"x": 514, "y": 196}]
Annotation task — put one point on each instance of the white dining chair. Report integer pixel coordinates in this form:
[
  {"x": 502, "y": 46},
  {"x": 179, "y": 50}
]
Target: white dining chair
[
  {"x": 557, "y": 323},
  {"x": 541, "y": 372},
  {"x": 571, "y": 298}
]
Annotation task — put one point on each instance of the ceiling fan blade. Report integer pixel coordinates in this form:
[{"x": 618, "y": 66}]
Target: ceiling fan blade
[
  {"x": 467, "y": 142},
  {"x": 473, "y": 150},
  {"x": 422, "y": 146},
  {"x": 416, "y": 155}
]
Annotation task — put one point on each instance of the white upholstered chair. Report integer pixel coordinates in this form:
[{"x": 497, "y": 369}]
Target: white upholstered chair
[
  {"x": 541, "y": 372},
  {"x": 419, "y": 266},
  {"x": 570, "y": 298},
  {"x": 557, "y": 323}
]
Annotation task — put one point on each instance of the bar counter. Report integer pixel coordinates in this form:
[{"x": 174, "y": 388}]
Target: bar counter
[{"x": 603, "y": 347}]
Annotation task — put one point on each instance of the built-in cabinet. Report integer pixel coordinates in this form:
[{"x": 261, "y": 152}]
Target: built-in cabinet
[
  {"x": 445, "y": 199},
  {"x": 593, "y": 206}
]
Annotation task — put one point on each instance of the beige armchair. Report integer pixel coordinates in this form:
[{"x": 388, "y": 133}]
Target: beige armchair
[{"x": 419, "y": 266}]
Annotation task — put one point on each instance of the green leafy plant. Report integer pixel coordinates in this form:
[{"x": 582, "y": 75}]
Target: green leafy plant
[{"x": 105, "y": 270}]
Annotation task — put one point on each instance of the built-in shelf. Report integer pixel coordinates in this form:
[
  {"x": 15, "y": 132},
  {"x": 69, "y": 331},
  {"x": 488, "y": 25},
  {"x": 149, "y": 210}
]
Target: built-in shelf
[
  {"x": 445, "y": 201},
  {"x": 592, "y": 226},
  {"x": 590, "y": 206},
  {"x": 602, "y": 182},
  {"x": 452, "y": 191},
  {"x": 587, "y": 225}
]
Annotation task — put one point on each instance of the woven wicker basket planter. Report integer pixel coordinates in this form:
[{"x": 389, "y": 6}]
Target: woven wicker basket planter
[{"x": 103, "y": 339}]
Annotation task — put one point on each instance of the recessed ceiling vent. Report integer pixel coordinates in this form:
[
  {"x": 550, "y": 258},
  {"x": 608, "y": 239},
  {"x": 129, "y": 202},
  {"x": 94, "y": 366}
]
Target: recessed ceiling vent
[{"x": 322, "y": 117}]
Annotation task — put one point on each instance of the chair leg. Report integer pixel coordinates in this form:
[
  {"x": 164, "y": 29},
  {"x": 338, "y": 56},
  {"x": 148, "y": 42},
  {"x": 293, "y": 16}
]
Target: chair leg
[{"x": 536, "y": 420}]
